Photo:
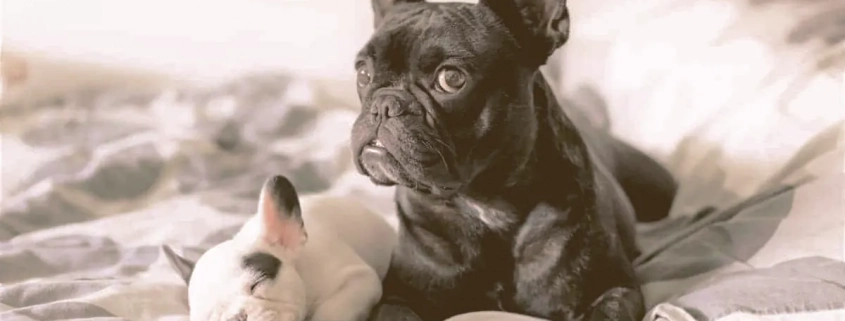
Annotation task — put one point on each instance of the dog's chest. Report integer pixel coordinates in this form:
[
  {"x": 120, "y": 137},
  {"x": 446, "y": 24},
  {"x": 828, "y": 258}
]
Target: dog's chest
[
  {"x": 486, "y": 281},
  {"x": 497, "y": 216}
]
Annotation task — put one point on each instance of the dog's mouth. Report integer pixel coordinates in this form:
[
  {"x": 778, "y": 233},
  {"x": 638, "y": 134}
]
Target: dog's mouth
[
  {"x": 375, "y": 143},
  {"x": 379, "y": 165},
  {"x": 377, "y": 162}
]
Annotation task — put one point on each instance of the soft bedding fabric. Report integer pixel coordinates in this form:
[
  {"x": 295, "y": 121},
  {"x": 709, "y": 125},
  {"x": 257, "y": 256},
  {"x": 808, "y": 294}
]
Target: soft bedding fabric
[
  {"x": 106, "y": 196},
  {"x": 738, "y": 98},
  {"x": 723, "y": 91}
]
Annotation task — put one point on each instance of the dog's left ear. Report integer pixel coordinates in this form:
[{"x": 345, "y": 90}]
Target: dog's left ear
[
  {"x": 380, "y": 8},
  {"x": 539, "y": 26},
  {"x": 280, "y": 216}
]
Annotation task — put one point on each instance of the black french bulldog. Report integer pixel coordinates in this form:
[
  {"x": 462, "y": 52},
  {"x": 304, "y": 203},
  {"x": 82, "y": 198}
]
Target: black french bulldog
[{"x": 504, "y": 203}]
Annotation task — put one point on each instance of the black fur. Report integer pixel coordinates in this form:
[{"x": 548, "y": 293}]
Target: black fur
[
  {"x": 504, "y": 203},
  {"x": 264, "y": 265}
]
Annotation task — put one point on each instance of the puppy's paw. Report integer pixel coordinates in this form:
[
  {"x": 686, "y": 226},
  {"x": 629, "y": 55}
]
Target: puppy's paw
[
  {"x": 253, "y": 309},
  {"x": 388, "y": 312},
  {"x": 617, "y": 304}
]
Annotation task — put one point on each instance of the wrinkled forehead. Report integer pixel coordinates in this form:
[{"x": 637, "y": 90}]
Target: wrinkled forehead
[{"x": 423, "y": 35}]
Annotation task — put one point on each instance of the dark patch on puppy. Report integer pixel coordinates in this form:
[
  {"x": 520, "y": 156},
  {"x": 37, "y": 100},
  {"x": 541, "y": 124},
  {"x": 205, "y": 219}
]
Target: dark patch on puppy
[{"x": 264, "y": 265}]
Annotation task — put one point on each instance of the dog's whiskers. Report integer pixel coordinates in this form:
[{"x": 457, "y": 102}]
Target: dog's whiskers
[
  {"x": 442, "y": 143},
  {"x": 442, "y": 157}
]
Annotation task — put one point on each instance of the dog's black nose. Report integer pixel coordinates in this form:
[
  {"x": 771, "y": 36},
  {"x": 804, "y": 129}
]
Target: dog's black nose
[{"x": 386, "y": 106}]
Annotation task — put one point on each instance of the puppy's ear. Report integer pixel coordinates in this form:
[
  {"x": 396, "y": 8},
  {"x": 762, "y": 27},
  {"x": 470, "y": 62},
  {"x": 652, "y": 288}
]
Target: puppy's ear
[
  {"x": 182, "y": 265},
  {"x": 539, "y": 26},
  {"x": 280, "y": 217},
  {"x": 380, "y": 8}
]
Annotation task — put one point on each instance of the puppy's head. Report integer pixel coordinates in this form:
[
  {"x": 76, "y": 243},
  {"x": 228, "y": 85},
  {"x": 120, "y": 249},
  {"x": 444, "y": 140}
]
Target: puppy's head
[
  {"x": 252, "y": 276},
  {"x": 446, "y": 88}
]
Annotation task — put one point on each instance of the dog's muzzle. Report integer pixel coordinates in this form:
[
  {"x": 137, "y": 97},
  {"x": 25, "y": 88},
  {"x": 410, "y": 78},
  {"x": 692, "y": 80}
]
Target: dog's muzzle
[
  {"x": 398, "y": 143},
  {"x": 377, "y": 163},
  {"x": 375, "y": 159}
]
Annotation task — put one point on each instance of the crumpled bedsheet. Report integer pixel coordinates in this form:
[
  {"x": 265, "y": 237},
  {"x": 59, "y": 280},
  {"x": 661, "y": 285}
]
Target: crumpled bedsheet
[
  {"x": 100, "y": 190},
  {"x": 106, "y": 195}
]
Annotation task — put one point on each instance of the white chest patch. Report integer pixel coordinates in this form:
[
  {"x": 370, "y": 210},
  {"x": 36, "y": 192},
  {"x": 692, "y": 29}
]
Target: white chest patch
[{"x": 494, "y": 217}]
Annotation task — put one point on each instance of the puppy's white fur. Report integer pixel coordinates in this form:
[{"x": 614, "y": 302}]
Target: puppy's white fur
[{"x": 334, "y": 273}]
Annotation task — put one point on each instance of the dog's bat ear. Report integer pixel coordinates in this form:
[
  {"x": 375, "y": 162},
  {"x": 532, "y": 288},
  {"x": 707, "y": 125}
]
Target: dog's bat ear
[
  {"x": 539, "y": 26},
  {"x": 181, "y": 264},
  {"x": 381, "y": 7},
  {"x": 280, "y": 216}
]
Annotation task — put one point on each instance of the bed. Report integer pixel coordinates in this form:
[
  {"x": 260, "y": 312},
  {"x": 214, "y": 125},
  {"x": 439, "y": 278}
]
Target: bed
[{"x": 108, "y": 196}]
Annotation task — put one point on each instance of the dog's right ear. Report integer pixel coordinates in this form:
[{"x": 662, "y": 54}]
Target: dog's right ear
[
  {"x": 381, "y": 7},
  {"x": 280, "y": 216},
  {"x": 539, "y": 26}
]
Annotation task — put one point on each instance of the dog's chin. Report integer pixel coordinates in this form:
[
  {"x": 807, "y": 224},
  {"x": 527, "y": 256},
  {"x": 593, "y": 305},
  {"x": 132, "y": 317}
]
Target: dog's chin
[
  {"x": 382, "y": 168},
  {"x": 377, "y": 163}
]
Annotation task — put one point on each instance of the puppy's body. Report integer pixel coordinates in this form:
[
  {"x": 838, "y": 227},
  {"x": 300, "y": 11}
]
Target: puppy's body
[
  {"x": 335, "y": 275},
  {"x": 503, "y": 202}
]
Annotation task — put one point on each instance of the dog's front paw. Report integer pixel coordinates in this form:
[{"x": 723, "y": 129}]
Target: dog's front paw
[
  {"x": 617, "y": 304},
  {"x": 389, "y": 312},
  {"x": 252, "y": 309},
  {"x": 261, "y": 315}
]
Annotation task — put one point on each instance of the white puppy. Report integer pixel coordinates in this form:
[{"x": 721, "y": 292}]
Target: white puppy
[{"x": 273, "y": 269}]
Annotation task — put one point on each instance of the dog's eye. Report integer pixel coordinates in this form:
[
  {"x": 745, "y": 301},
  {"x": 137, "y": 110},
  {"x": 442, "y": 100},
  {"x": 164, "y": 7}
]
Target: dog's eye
[
  {"x": 450, "y": 80},
  {"x": 255, "y": 283},
  {"x": 364, "y": 77}
]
